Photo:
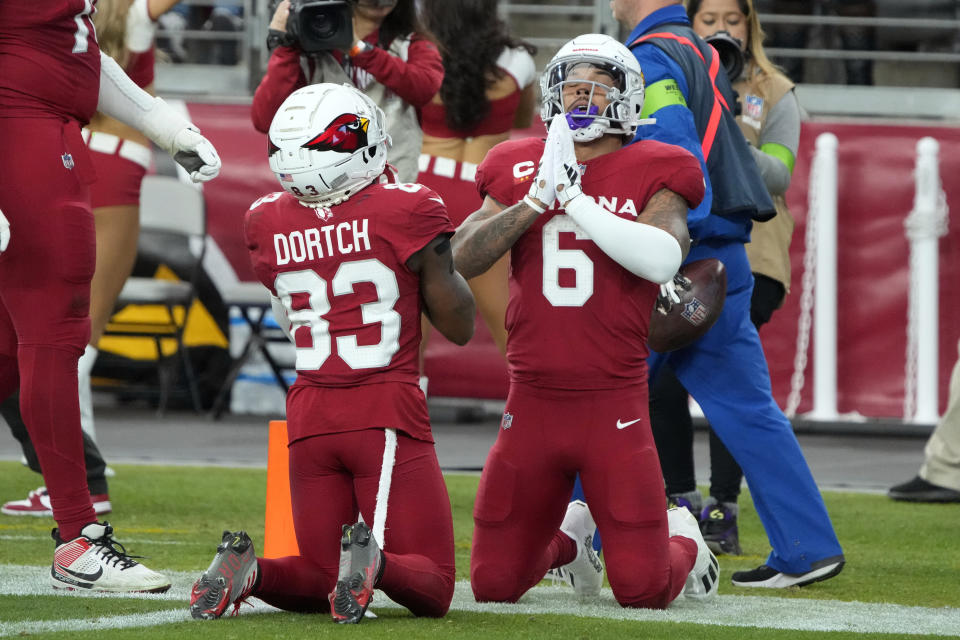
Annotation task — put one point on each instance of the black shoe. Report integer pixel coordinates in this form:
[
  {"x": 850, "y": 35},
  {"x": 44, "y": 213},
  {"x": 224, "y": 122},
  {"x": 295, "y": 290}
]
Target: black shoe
[
  {"x": 719, "y": 527},
  {"x": 764, "y": 576},
  {"x": 919, "y": 490}
]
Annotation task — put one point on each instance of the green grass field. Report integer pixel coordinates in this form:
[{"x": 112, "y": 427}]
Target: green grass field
[{"x": 897, "y": 554}]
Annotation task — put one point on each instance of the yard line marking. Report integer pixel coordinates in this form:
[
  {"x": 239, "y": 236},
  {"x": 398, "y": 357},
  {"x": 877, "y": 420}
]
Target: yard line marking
[
  {"x": 127, "y": 540},
  {"x": 732, "y": 611},
  {"x": 95, "y": 623},
  {"x": 30, "y": 580},
  {"x": 151, "y": 619},
  {"x": 737, "y": 611}
]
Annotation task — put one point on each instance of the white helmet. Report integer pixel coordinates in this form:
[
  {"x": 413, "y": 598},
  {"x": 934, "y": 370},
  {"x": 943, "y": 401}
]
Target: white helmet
[
  {"x": 327, "y": 141},
  {"x": 622, "y": 115}
]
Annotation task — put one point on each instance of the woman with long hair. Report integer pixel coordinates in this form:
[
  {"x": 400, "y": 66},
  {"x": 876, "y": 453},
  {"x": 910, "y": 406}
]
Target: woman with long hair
[
  {"x": 769, "y": 117},
  {"x": 488, "y": 89}
]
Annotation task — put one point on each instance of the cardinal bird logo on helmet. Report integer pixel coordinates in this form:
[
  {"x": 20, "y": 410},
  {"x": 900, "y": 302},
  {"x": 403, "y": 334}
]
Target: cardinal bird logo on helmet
[{"x": 346, "y": 134}]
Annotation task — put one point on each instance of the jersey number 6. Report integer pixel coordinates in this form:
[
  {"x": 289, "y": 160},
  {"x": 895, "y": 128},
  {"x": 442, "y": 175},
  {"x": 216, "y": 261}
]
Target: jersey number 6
[{"x": 555, "y": 259}]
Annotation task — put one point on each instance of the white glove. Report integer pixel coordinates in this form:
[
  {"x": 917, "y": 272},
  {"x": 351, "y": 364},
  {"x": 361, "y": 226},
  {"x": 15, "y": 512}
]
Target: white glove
[
  {"x": 566, "y": 169},
  {"x": 195, "y": 154},
  {"x": 4, "y": 232},
  {"x": 176, "y": 135},
  {"x": 668, "y": 292},
  {"x": 542, "y": 190}
]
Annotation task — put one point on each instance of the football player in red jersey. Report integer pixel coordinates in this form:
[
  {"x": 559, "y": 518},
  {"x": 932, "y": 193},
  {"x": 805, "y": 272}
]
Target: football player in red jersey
[
  {"x": 52, "y": 79},
  {"x": 121, "y": 156},
  {"x": 584, "y": 275},
  {"x": 351, "y": 257}
]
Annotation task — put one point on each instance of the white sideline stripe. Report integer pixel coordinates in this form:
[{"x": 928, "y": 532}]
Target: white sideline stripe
[
  {"x": 152, "y": 619},
  {"x": 31, "y": 580},
  {"x": 146, "y": 619},
  {"x": 765, "y": 612},
  {"x": 126, "y": 540}
]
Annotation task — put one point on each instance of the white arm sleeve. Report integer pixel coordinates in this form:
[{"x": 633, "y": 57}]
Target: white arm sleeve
[
  {"x": 122, "y": 99},
  {"x": 280, "y": 315},
  {"x": 642, "y": 249}
]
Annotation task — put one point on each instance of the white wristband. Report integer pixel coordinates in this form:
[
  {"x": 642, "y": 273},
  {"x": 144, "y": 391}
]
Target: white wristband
[{"x": 527, "y": 200}]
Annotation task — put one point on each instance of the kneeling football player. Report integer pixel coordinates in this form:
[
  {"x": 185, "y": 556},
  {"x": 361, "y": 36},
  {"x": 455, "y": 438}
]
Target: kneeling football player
[
  {"x": 592, "y": 234},
  {"x": 350, "y": 258}
]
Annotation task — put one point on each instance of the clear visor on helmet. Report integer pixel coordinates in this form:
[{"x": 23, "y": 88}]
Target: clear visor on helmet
[{"x": 602, "y": 72}]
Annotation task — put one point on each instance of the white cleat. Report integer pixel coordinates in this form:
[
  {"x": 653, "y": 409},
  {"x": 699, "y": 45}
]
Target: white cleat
[
  {"x": 96, "y": 562},
  {"x": 585, "y": 573},
  {"x": 704, "y": 580}
]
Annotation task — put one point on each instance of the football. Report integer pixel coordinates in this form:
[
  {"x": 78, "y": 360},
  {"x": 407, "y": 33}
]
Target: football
[{"x": 701, "y": 300}]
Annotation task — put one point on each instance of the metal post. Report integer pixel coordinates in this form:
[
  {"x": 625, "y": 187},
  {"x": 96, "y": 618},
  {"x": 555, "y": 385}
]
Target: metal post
[
  {"x": 825, "y": 289},
  {"x": 925, "y": 278}
]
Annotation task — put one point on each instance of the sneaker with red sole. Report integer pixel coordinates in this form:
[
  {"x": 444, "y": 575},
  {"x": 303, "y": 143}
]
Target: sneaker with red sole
[
  {"x": 229, "y": 580},
  {"x": 361, "y": 563},
  {"x": 37, "y": 503}
]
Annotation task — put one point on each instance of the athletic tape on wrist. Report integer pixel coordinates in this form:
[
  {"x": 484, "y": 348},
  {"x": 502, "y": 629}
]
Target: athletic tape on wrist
[{"x": 527, "y": 200}]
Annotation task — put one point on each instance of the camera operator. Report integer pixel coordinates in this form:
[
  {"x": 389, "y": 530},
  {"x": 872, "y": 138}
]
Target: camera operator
[{"x": 389, "y": 59}]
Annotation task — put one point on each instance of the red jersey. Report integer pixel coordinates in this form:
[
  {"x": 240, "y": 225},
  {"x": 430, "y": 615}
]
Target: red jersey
[
  {"x": 353, "y": 304},
  {"x": 49, "y": 59},
  {"x": 576, "y": 318}
]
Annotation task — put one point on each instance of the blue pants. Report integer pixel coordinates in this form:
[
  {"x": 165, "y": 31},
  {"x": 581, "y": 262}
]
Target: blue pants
[{"x": 726, "y": 373}]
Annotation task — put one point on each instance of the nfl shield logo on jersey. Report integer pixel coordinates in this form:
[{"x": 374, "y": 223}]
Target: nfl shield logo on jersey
[
  {"x": 753, "y": 106},
  {"x": 507, "y": 421},
  {"x": 67, "y": 160},
  {"x": 753, "y": 111}
]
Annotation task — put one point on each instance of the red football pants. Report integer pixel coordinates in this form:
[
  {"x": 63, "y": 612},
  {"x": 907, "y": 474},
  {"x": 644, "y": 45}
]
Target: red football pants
[
  {"x": 550, "y": 436},
  {"x": 335, "y": 477},
  {"x": 45, "y": 297}
]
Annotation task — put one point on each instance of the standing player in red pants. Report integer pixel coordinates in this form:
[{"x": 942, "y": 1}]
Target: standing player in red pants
[
  {"x": 351, "y": 258},
  {"x": 52, "y": 79},
  {"x": 583, "y": 283},
  {"x": 121, "y": 156}
]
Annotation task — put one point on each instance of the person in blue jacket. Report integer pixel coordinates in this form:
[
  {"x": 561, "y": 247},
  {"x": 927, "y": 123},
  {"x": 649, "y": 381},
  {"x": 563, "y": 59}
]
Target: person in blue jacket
[{"x": 689, "y": 96}]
